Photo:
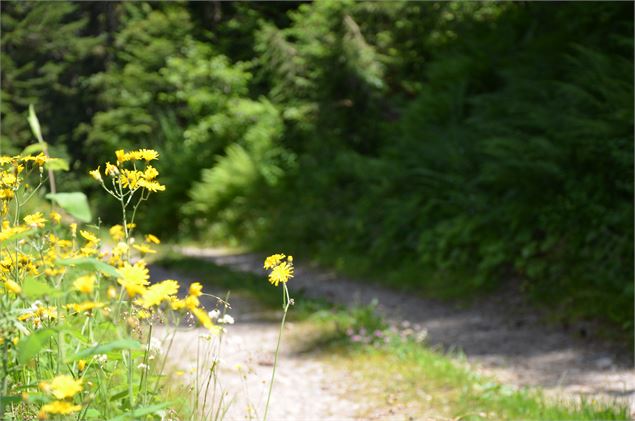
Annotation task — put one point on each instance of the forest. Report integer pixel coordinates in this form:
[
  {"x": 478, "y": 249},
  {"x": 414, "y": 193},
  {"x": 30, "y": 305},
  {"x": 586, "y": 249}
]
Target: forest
[
  {"x": 449, "y": 150},
  {"x": 452, "y": 147}
]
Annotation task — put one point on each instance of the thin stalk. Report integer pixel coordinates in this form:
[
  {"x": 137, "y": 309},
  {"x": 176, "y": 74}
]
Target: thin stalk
[
  {"x": 143, "y": 383},
  {"x": 286, "y": 302},
  {"x": 5, "y": 375},
  {"x": 130, "y": 390}
]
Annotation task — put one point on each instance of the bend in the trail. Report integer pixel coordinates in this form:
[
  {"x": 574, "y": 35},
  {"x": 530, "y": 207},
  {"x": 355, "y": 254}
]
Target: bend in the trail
[{"x": 518, "y": 351}]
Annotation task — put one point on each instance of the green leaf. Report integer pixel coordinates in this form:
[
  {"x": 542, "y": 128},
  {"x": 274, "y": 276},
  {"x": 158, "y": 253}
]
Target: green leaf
[
  {"x": 140, "y": 412},
  {"x": 90, "y": 263},
  {"x": 105, "y": 348},
  {"x": 74, "y": 203},
  {"x": 35, "y": 124},
  {"x": 33, "y": 288},
  {"x": 57, "y": 164},
  {"x": 119, "y": 395},
  {"x": 9, "y": 400},
  {"x": 31, "y": 149},
  {"x": 77, "y": 334},
  {"x": 93, "y": 413},
  {"x": 29, "y": 346}
]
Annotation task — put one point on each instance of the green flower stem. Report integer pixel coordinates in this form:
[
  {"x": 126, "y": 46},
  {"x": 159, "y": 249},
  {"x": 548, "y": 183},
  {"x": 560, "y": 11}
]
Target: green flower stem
[{"x": 285, "y": 302}]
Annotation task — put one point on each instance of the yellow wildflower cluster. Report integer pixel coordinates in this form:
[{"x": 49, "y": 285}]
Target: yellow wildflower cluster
[
  {"x": 281, "y": 270},
  {"x": 12, "y": 171},
  {"x": 128, "y": 180},
  {"x": 61, "y": 387},
  {"x": 57, "y": 280}
]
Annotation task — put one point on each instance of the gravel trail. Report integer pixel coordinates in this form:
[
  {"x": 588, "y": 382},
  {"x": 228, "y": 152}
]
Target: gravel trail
[{"x": 500, "y": 336}]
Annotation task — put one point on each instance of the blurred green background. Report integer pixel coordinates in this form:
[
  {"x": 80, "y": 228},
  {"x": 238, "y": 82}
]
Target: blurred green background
[{"x": 445, "y": 147}]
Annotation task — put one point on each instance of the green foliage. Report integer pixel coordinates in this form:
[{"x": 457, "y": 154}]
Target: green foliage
[
  {"x": 75, "y": 204},
  {"x": 47, "y": 54},
  {"x": 465, "y": 143},
  {"x": 513, "y": 160}
]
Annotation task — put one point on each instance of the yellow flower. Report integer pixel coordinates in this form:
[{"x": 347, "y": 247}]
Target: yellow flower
[
  {"x": 157, "y": 293},
  {"x": 144, "y": 249},
  {"x": 142, "y": 314},
  {"x": 85, "y": 306},
  {"x": 6, "y": 194},
  {"x": 152, "y": 239},
  {"x": 85, "y": 284},
  {"x": 131, "y": 179},
  {"x": 58, "y": 407},
  {"x": 96, "y": 174},
  {"x": 204, "y": 319},
  {"x": 150, "y": 173},
  {"x": 191, "y": 302},
  {"x": 281, "y": 273},
  {"x": 121, "y": 156},
  {"x": 55, "y": 217},
  {"x": 62, "y": 386},
  {"x": 134, "y": 278},
  {"x": 111, "y": 169},
  {"x": 35, "y": 220},
  {"x": 273, "y": 260},
  {"x": 196, "y": 289},
  {"x": 176, "y": 304},
  {"x": 89, "y": 236},
  {"x": 148, "y": 154},
  {"x": 117, "y": 232},
  {"x": 12, "y": 286},
  {"x": 152, "y": 186},
  {"x": 112, "y": 292},
  {"x": 40, "y": 159},
  {"x": 120, "y": 249},
  {"x": 8, "y": 232},
  {"x": 81, "y": 365}
]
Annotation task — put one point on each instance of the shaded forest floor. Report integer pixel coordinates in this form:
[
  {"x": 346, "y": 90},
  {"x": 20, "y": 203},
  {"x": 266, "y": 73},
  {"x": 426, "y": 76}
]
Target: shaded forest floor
[{"x": 500, "y": 336}]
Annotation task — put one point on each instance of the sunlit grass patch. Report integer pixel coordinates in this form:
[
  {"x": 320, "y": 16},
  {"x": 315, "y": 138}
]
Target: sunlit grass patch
[{"x": 399, "y": 375}]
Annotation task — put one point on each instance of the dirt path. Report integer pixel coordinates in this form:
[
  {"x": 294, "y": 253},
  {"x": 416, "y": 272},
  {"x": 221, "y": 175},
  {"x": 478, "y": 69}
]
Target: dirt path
[
  {"x": 304, "y": 388},
  {"x": 498, "y": 336}
]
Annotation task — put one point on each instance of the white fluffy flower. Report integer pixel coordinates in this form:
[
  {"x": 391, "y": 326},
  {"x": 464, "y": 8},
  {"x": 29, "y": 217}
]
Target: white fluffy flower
[{"x": 226, "y": 319}]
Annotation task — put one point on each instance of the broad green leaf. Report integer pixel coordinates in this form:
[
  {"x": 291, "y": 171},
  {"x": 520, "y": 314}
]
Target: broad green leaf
[
  {"x": 8, "y": 400},
  {"x": 57, "y": 164},
  {"x": 119, "y": 395},
  {"x": 105, "y": 348},
  {"x": 34, "y": 148},
  {"x": 29, "y": 346},
  {"x": 91, "y": 264},
  {"x": 35, "y": 124},
  {"x": 77, "y": 334},
  {"x": 34, "y": 288},
  {"x": 74, "y": 203}
]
